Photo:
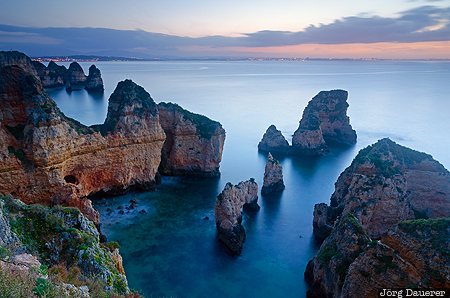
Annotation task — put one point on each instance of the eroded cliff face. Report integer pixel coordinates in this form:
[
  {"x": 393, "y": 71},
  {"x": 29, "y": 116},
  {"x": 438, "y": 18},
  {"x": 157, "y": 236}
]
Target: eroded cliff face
[
  {"x": 397, "y": 201},
  {"x": 228, "y": 213},
  {"x": 52, "y": 76},
  {"x": 324, "y": 121},
  {"x": 273, "y": 141},
  {"x": 194, "y": 143},
  {"x": 49, "y": 158}
]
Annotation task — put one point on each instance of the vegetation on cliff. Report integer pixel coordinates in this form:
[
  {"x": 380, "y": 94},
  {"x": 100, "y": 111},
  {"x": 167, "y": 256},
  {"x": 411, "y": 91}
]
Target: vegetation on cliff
[{"x": 66, "y": 246}]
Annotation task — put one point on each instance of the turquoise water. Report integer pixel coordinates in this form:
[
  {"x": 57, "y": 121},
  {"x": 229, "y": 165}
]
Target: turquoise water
[{"x": 172, "y": 250}]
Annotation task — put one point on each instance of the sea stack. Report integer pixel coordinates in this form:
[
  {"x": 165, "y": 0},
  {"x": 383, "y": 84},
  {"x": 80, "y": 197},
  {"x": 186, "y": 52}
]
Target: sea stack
[
  {"x": 324, "y": 122},
  {"x": 228, "y": 213},
  {"x": 386, "y": 226},
  {"x": 273, "y": 177},
  {"x": 76, "y": 79},
  {"x": 273, "y": 141},
  {"x": 194, "y": 143},
  {"x": 52, "y": 76},
  {"x": 94, "y": 82}
]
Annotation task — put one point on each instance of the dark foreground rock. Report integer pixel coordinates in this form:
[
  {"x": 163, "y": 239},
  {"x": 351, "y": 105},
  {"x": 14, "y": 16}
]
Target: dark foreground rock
[
  {"x": 228, "y": 213},
  {"x": 388, "y": 218}
]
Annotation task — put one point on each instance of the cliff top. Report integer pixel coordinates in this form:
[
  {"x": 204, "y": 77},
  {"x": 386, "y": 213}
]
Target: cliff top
[
  {"x": 390, "y": 158},
  {"x": 205, "y": 126}
]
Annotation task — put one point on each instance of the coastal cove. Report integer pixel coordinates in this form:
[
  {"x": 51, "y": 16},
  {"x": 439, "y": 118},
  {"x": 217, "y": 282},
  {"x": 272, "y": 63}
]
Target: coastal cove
[{"x": 172, "y": 250}]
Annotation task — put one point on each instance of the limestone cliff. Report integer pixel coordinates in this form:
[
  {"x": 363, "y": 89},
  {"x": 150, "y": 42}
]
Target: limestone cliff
[
  {"x": 54, "y": 247},
  {"x": 52, "y": 76},
  {"x": 273, "y": 141},
  {"x": 228, "y": 213},
  {"x": 94, "y": 81},
  {"x": 273, "y": 177},
  {"x": 193, "y": 145},
  {"x": 76, "y": 79},
  {"x": 48, "y": 158},
  {"x": 376, "y": 197},
  {"x": 324, "y": 122}
]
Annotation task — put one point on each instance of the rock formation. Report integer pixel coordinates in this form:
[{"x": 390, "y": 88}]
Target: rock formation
[
  {"x": 324, "y": 122},
  {"x": 61, "y": 240},
  {"x": 386, "y": 217},
  {"x": 8, "y": 58},
  {"x": 76, "y": 79},
  {"x": 273, "y": 141},
  {"x": 48, "y": 158},
  {"x": 52, "y": 76},
  {"x": 193, "y": 145},
  {"x": 228, "y": 212},
  {"x": 73, "y": 78},
  {"x": 94, "y": 82},
  {"x": 273, "y": 177}
]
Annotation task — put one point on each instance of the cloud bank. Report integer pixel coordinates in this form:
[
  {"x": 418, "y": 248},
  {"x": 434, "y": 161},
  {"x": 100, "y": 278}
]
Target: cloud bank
[{"x": 422, "y": 24}]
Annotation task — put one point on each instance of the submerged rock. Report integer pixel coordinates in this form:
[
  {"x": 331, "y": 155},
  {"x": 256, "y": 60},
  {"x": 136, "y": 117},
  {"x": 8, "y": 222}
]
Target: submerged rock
[
  {"x": 228, "y": 213},
  {"x": 388, "y": 188},
  {"x": 273, "y": 141},
  {"x": 324, "y": 122},
  {"x": 94, "y": 82},
  {"x": 76, "y": 79},
  {"x": 273, "y": 177},
  {"x": 193, "y": 145}
]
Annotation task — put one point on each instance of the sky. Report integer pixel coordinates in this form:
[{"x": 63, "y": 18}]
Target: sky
[{"x": 234, "y": 28}]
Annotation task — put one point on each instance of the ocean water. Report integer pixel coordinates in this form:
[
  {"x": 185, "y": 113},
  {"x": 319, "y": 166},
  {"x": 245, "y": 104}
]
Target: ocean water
[{"x": 171, "y": 250}]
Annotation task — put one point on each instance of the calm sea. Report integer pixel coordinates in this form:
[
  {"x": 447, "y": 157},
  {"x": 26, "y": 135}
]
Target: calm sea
[{"x": 172, "y": 250}]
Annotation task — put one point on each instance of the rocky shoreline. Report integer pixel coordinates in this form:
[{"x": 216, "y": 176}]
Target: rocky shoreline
[{"x": 387, "y": 225}]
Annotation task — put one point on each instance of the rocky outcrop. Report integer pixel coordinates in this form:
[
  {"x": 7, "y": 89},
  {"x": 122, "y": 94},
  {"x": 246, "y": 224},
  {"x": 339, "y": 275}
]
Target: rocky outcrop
[
  {"x": 228, "y": 213},
  {"x": 59, "y": 240},
  {"x": 8, "y": 58},
  {"x": 273, "y": 177},
  {"x": 273, "y": 141},
  {"x": 94, "y": 82},
  {"x": 48, "y": 158},
  {"x": 76, "y": 79},
  {"x": 52, "y": 76},
  {"x": 193, "y": 145},
  {"x": 388, "y": 188},
  {"x": 415, "y": 252},
  {"x": 324, "y": 122}
]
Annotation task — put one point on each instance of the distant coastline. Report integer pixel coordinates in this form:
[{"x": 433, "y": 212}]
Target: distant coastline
[{"x": 93, "y": 58}]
